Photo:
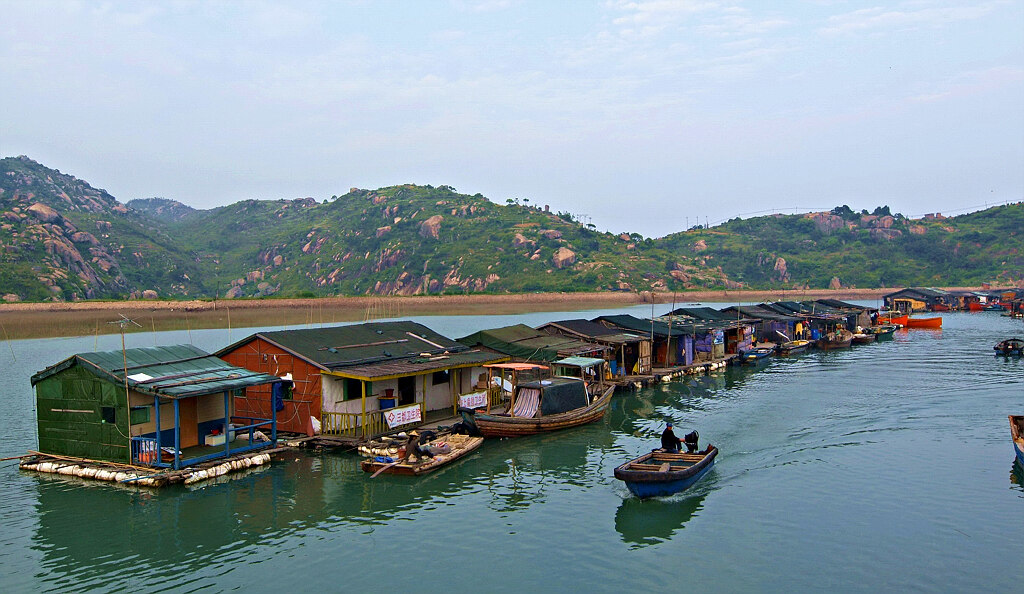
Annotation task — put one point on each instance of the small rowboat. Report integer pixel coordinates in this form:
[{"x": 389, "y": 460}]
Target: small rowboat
[
  {"x": 863, "y": 338},
  {"x": 1017, "y": 434},
  {"x": 1010, "y": 346},
  {"x": 660, "y": 473},
  {"x": 457, "y": 446},
  {"x": 883, "y": 332},
  {"x": 793, "y": 347},
  {"x": 756, "y": 354},
  {"x": 836, "y": 340},
  {"x": 924, "y": 323}
]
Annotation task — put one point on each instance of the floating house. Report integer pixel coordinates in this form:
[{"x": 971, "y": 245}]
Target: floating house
[
  {"x": 628, "y": 351},
  {"x": 738, "y": 332},
  {"x": 915, "y": 299},
  {"x": 769, "y": 325},
  {"x": 164, "y": 407},
  {"x": 523, "y": 343},
  {"x": 363, "y": 380},
  {"x": 669, "y": 346}
]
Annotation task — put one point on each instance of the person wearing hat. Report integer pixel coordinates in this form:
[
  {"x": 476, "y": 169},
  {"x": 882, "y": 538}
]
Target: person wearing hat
[{"x": 669, "y": 442}]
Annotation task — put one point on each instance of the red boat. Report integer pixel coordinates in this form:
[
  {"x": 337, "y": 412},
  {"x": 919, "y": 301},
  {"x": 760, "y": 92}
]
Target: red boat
[
  {"x": 901, "y": 320},
  {"x": 924, "y": 323}
]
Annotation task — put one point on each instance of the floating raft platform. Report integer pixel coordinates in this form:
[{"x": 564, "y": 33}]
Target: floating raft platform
[{"x": 141, "y": 475}]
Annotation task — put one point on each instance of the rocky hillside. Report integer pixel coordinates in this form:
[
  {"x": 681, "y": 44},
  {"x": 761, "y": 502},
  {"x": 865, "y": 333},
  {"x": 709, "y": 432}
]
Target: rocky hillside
[{"x": 61, "y": 239}]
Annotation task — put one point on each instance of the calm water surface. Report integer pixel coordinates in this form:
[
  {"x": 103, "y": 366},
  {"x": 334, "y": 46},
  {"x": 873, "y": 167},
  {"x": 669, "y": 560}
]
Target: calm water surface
[{"x": 884, "y": 467}]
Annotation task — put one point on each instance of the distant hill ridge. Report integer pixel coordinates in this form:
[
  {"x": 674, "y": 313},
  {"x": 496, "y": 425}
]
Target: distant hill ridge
[{"x": 62, "y": 239}]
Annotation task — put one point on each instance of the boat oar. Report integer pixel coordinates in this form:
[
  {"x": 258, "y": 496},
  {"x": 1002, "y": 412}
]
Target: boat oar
[{"x": 383, "y": 468}]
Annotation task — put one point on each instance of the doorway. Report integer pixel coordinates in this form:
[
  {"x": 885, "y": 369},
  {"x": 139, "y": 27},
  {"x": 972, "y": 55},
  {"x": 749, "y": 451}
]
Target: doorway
[{"x": 406, "y": 390}]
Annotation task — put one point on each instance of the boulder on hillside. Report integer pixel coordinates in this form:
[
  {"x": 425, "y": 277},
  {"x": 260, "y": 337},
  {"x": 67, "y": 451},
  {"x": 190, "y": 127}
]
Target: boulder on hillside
[
  {"x": 551, "y": 234},
  {"x": 700, "y": 246},
  {"x": 149, "y": 294},
  {"x": 826, "y": 222},
  {"x": 381, "y": 231},
  {"x": 781, "y": 272},
  {"x": 84, "y": 237},
  {"x": 834, "y": 283},
  {"x": 563, "y": 257},
  {"x": 917, "y": 229},
  {"x": 44, "y": 213},
  {"x": 431, "y": 227},
  {"x": 519, "y": 240},
  {"x": 886, "y": 234},
  {"x": 11, "y": 297},
  {"x": 233, "y": 293}
]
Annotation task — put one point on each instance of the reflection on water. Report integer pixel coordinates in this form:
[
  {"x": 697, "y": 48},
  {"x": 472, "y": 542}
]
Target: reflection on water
[
  {"x": 644, "y": 522},
  {"x": 1017, "y": 475}
]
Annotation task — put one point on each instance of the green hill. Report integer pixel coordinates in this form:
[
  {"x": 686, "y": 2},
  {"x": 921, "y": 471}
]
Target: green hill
[{"x": 62, "y": 239}]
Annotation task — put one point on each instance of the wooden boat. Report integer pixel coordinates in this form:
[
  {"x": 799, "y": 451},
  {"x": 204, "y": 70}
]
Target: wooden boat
[
  {"x": 1010, "y": 346},
  {"x": 891, "y": 319},
  {"x": 883, "y": 332},
  {"x": 924, "y": 323},
  {"x": 519, "y": 423},
  {"x": 792, "y": 347},
  {"x": 756, "y": 354},
  {"x": 1017, "y": 434},
  {"x": 863, "y": 338},
  {"x": 549, "y": 404},
  {"x": 839, "y": 339},
  {"x": 457, "y": 446},
  {"x": 660, "y": 473}
]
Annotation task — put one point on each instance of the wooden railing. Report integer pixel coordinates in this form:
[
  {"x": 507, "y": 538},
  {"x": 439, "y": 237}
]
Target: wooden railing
[{"x": 351, "y": 424}]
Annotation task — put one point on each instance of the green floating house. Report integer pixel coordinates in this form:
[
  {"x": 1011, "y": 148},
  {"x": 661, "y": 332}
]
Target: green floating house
[{"x": 165, "y": 407}]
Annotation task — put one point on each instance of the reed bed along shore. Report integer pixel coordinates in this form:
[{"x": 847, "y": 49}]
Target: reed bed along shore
[{"x": 52, "y": 319}]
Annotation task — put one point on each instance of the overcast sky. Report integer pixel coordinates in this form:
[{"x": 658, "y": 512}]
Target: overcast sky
[{"x": 644, "y": 115}]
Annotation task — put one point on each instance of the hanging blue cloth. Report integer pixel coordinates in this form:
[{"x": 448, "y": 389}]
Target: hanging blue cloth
[{"x": 280, "y": 391}]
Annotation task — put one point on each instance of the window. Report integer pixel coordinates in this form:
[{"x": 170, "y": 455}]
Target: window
[
  {"x": 139, "y": 415},
  {"x": 354, "y": 389},
  {"x": 108, "y": 413},
  {"x": 440, "y": 377}
]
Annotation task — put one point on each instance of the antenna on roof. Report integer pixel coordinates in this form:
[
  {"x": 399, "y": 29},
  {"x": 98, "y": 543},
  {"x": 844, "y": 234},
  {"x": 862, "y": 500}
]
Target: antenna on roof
[{"x": 123, "y": 323}]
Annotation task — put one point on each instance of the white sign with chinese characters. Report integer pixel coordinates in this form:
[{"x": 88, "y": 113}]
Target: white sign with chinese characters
[
  {"x": 474, "y": 400},
  {"x": 402, "y": 415}
]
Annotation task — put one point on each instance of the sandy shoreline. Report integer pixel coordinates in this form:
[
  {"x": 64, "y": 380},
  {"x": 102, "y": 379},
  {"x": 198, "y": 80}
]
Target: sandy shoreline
[
  {"x": 38, "y": 320},
  {"x": 447, "y": 302}
]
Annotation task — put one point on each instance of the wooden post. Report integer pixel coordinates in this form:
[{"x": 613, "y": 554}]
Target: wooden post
[
  {"x": 362, "y": 429},
  {"x": 156, "y": 405},
  {"x": 177, "y": 436},
  {"x": 227, "y": 421}
]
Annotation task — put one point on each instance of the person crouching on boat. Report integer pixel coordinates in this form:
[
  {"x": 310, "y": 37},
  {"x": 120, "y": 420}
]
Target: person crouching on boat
[
  {"x": 691, "y": 439},
  {"x": 669, "y": 442}
]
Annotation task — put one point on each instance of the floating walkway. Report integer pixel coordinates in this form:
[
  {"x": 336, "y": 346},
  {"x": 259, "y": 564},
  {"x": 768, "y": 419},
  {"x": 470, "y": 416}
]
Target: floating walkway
[{"x": 140, "y": 475}]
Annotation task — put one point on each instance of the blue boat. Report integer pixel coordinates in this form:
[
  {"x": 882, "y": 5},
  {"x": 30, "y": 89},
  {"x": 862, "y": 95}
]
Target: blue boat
[
  {"x": 756, "y": 354},
  {"x": 659, "y": 473},
  {"x": 1010, "y": 346},
  {"x": 1017, "y": 433}
]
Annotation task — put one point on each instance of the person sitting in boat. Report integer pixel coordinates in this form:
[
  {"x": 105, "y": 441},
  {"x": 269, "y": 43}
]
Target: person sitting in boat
[{"x": 669, "y": 442}]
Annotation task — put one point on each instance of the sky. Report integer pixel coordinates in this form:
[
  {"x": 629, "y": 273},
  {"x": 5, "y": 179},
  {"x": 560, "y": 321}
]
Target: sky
[{"x": 645, "y": 116}]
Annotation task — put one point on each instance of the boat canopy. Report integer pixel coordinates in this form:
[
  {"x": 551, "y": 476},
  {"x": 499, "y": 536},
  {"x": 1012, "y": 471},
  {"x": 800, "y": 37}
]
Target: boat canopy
[
  {"x": 584, "y": 362},
  {"x": 558, "y": 394},
  {"x": 518, "y": 366}
]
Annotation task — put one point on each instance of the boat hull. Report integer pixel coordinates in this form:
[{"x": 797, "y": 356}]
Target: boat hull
[
  {"x": 794, "y": 347},
  {"x": 924, "y": 322},
  {"x": 653, "y": 483},
  {"x": 1010, "y": 347},
  {"x": 898, "y": 320},
  {"x": 1017, "y": 434},
  {"x": 501, "y": 426}
]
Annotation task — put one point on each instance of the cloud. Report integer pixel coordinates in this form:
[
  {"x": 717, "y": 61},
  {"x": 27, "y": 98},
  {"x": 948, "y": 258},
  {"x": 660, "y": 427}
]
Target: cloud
[{"x": 912, "y": 16}]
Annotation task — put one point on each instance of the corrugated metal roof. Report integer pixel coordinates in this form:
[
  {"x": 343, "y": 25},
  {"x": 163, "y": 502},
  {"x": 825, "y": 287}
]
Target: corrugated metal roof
[
  {"x": 420, "y": 365},
  {"x": 521, "y": 341},
  {"x": 761, "y": 313},
  {"x": 592, "y": 331},
  {"x": 358, "y": 345},
  {"x": 176, "y": 371}
]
